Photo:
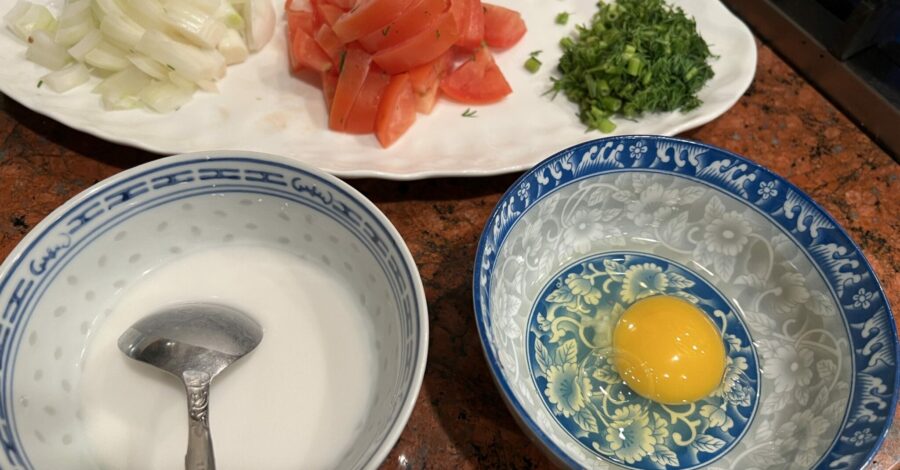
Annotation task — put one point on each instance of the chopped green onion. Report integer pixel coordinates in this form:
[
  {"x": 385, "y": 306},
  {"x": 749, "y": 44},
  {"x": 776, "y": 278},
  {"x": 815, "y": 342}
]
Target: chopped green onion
[
  {"x": 562, "y": 18},
  {"x": 532, "y": 65}
]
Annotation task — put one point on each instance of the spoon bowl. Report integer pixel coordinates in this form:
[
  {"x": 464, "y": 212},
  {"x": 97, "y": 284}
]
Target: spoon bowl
[{"x": 194, "y": 342}]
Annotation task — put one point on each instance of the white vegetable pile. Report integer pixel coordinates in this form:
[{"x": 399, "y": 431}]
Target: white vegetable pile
[{"x": 153, "y": 53}]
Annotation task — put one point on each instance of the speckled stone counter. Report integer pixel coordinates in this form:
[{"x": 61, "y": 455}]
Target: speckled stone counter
[{"x": 460, "y": 421}]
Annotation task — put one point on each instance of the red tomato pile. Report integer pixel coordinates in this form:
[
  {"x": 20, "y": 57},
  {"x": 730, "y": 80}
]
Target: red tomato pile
[{"x": 381, "y": 61}]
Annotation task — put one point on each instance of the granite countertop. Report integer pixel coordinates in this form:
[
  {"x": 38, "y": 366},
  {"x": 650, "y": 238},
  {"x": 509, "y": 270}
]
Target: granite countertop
[{"x": 460, "y": 420}]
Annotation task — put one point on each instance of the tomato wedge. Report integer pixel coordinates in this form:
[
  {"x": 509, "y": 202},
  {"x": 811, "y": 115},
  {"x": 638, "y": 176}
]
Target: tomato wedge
[
  {"x": 421, "y": 15},
  {"x": 329, "y": 13},
  {"x": 426, "y": 80},
  {"x": 477, "y": 81},
  {"x": 330, "y": 44},
  {"x": 367, "y": 17},
  {"x": 419, "y": 49},
  {"x": 502, "y": 27},
  {"x": 351, "y": 76},
  {"x": 361, "y": 119},
  {"x": 329, "y": 85},
  {"x": 305, "y": 53},
  {"x": 471, "y": 29},
  {"x": 304, "y": 20},
  {"x": 397, "y": 111}
]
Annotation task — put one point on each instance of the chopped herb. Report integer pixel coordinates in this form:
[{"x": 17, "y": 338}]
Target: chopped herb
[
  {"x": 532, "y": 64},
  {"x": 562, "y": 18},
  {"x": 437, "y": 33},
  {"x": 40, "y": 83},
  {"x": 469, "y": 113},
  {"x": 170, "y": 67},
  {"x": 384, "y": 32},
  {"x": 341, "y": 65},
  {"x": 634, "y": 56}
]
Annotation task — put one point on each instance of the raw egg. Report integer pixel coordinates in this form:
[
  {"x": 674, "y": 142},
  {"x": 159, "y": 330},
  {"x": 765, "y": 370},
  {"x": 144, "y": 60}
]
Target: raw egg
[{"x": 666, "y": 349}]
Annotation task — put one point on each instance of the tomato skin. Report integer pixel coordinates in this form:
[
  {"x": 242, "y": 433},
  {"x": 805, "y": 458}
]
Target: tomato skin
[
  {"x": 306, "y": 53},
  {"x": 351, "y": 77},
  {"x": 330, "y": 44},
  {"x": 423, "y": 76},
  {"x": 361, "y": 119},
  {"x": 472, "y": 29},
  {"x": 420, "y": 49},
  {"x": 503, "y": 27},
  {"x": 397, "y": 111},
  {"x": 305, "y": 20},
  {"x": 367, "y": 17},
  {"x": 477, "y": 81},
  {"x": 421, "y": 15},
  {"x": 328, "y": 13}
]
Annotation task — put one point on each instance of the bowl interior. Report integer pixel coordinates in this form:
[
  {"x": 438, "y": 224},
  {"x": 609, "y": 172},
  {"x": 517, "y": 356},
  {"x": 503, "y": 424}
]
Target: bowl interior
[
  {"x": 325, "y": 276},
  {"x": 583, "y": 236}
]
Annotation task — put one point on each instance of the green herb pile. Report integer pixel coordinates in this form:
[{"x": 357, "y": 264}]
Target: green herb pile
[{"x": 636, "y": 56}]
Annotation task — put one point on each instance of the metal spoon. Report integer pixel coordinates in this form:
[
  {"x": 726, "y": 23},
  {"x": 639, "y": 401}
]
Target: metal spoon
[{"x": 194, "y": 342}]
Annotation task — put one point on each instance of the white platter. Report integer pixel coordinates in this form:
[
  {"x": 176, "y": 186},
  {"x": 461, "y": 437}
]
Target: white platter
[{"x": 261, "y": 107}]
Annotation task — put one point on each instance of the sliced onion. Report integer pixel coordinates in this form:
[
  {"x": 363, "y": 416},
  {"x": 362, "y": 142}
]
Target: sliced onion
[
  {"x": 86, "y": 44},
  {"x": 195, "y": 25},
  {"x": 121, "y": 30},
  {"x": 107, "y": 57},
  {"x": 65, "y": 79},
  {"x": 228, "y": 15},
  {"x": 75, "y": 13},
  {"x": 101, "y": 8},
  {"x": 260, "y": 18},
  {"x": 148, "y": 66},
  {"x": 165, "y": 97},
  {"x": 27, "y": 17},
  {"x": 43, "y": 51},
  {"x": 121, "y": 90},
  {"x": 148, "y": 13},
  {"x": 233, "y": 48},
  {"x": 191, "y": 62}
]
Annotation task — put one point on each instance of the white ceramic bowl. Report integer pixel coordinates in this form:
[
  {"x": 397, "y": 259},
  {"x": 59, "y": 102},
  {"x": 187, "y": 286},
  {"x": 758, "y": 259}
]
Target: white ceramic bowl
[
  {"x": 811, "y": 380},
  {"x": 59, "y": 290}
]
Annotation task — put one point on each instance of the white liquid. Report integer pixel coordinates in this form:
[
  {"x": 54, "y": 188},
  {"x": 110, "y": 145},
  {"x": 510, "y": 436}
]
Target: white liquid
[{"x": 297, "y": 401}]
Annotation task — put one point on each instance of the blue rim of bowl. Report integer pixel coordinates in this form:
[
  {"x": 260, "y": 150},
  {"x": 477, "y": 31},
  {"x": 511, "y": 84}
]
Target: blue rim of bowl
[
  {"x": 19, "y": 254},
  {"x": 561, "y": 165}
]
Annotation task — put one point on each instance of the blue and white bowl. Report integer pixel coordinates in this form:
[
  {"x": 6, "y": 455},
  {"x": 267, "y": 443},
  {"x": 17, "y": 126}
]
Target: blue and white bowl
[
  {"x": 57, "y": 286},
  {"x": 811, "y": 380}
]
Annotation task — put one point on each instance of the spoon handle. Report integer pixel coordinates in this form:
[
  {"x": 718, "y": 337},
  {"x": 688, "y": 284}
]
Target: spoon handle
[{"x": 200, "y": 451}]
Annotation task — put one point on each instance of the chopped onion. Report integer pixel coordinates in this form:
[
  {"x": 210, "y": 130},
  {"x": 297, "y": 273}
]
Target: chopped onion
[
  {"x": 229, "y": 16},
  {"x": 165, "y": 97},
  {"x": 191, "y": 62},
  {"x": 195, "y": 25},
  {"x": 75, "y": 13},
  {"x": 207, "y": 6},
  {"x": 121, "y": 30},
  {"x": 121, "y": 90},
  {"x": 70, "y": 35},
  {"x": 70, "y": 77},
  {"x": 148, "y": 66},
  {"x": 233, "y": 48},
  {"x": 43, "y": 51},
  {"x": 260, "y": 18},
  {"x": 107, "y": 57},
  {"x": 149, "y": 14},
  {"x": 86, "y": 44},
  {"x": 101, "y": 8},
  {"x": 27, "y": 17}
]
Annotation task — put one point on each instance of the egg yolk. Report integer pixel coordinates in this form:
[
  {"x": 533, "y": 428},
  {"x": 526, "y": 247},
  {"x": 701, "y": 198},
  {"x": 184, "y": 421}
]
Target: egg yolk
[{"x": 666, "y": 349}]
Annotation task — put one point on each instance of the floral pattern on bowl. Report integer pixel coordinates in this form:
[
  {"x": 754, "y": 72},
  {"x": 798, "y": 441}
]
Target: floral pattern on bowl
[
  {"x": 825, "y": 336},
  {"x": 570, "y": 344}
]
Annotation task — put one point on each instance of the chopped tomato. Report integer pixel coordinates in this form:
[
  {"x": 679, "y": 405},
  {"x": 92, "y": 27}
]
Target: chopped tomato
[
  {"x": 305, "y": 20},
  {"x": 330, "y": 43},
  {"x": 297, "y": 5},
  {"x": 421, "y": 15},
  {"x": 329, "y": 13},
  {"x": 329, "y": 85},
  {"x": 426, "y": 80},
  {"x": 305, "y": 53},
  {"x": 477, "y": 81},
  {"x": 351, "y": 76},
  {"x": 502, "y": 27},
  {"x": 397, "y": 111},
  {"x": 342, "y": 4},
  {"x": 362, "y": 116},
  {"x": 367, "y": 17},
  {"x": 419, "y": 49},
  {"x": 471, "y": 29}
]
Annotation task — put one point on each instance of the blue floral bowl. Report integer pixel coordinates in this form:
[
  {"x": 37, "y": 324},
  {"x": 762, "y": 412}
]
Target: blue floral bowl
[{"x": 811, "y": 377}]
